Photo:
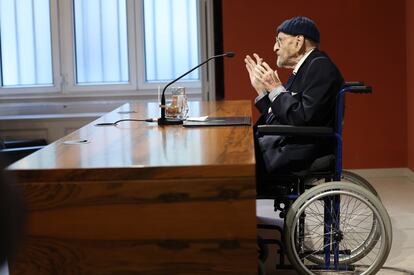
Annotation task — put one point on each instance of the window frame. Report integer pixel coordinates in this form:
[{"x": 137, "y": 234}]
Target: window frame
[
  {"x": 68, "y": 55},
  {"x": 63, "y": 62},
  {"x": 56, "y": 72}
]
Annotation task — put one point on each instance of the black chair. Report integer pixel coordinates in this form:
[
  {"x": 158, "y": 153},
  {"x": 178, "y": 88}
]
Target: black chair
[
  {"x": 320, "y": 232},
  {"x": 14, "y": 150}
]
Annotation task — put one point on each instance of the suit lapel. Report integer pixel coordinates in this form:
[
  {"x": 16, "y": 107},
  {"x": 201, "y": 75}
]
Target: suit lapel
[{"x": 293, "y": 87}]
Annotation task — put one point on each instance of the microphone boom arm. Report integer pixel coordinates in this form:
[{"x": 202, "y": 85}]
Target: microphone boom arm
[{"x": 164, "y": 121}]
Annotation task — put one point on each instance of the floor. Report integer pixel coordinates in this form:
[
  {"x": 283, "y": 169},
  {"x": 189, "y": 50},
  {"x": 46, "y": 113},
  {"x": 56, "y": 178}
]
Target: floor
[{"x": 397, "y": 195}]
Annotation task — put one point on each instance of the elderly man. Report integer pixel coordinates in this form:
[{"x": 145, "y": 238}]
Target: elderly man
[{"x": 306, "y": 99}]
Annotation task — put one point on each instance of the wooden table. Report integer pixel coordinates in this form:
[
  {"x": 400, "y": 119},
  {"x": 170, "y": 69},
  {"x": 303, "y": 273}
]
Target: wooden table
[{"x": 140, "y": 198}]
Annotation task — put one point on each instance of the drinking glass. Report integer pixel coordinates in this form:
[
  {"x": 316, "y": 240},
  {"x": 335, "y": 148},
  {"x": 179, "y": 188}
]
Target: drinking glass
[{"x": 178, "y": 108}]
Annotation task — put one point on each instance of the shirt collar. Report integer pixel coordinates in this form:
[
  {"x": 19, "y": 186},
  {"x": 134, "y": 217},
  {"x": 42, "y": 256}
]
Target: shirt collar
[{"x": 296, "y": 69}]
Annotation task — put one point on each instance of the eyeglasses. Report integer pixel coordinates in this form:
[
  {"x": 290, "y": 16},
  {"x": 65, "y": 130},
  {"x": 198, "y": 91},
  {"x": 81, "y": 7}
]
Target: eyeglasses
[{"x": 279, "y": 40}]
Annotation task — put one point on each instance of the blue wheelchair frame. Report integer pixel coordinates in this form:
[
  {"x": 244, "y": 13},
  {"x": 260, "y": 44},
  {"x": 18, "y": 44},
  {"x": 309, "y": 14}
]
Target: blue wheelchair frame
[
  {"x": 340, "y": 106},
  {"x": 331, "y": 206}
]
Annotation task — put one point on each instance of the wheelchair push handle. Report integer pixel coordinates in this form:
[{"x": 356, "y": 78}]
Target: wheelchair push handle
[
  {"x": 354, "y": 83},
  {"x": 357, "y": 87},
  {"x": 360, "y": 89}
]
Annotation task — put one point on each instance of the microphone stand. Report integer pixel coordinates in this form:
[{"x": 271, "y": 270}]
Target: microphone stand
[{"x": 175, "y": 121}]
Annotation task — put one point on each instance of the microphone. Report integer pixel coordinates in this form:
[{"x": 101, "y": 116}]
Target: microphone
[{"x": 173, "y": 121}]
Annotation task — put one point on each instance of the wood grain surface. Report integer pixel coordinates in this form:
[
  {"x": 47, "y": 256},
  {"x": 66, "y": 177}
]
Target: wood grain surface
[
  {"x": 147, "y": 145},
  {"x": 142, "y": 199}
]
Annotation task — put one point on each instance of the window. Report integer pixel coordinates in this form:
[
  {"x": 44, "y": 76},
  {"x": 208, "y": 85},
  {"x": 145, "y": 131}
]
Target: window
[
  {"x": 178, "y": 30},
  {"x": 26, "y": 54},
  {"x": 101, "y": 43},
  {"x": 99, "y": 47}
]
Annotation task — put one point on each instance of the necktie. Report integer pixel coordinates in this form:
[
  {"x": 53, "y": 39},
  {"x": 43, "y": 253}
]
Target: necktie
[{"x": 269, "y": 118}]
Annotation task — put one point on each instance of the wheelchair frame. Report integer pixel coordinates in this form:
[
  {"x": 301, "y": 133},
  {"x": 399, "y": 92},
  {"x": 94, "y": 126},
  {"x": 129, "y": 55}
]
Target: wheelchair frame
[{"x": 331, "y": 206}]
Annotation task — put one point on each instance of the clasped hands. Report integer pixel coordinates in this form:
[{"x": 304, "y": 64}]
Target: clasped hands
[{"x": 262, "y": 77}]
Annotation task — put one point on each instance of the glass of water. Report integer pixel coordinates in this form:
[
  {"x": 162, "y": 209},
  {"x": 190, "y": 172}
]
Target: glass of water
[{"x": 178, "y": 108}]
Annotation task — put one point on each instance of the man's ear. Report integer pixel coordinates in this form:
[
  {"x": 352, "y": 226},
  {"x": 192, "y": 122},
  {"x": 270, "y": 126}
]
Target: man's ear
[{"x": 300, "y": 42}]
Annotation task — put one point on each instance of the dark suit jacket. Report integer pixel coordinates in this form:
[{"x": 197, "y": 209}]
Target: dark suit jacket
[{"x": 310, "y": 102}]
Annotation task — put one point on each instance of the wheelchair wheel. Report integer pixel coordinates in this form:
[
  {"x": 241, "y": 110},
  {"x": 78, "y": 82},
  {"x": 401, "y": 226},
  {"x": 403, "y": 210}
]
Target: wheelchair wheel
[
  {"x": 337, "y": 227},
  {"x": 352, "y": 177},
  {"x": 348, "y": 176},
  {"x": 358, "y": 180}
]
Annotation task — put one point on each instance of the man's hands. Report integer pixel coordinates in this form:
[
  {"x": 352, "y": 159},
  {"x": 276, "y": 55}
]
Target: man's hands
[
  {"x": 262, "y": 77},
  {"x": 255, "y": 80}
]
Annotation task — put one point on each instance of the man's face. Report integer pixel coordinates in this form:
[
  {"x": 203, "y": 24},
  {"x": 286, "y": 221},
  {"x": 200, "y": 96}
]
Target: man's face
[{"x": 285, "y": 49}]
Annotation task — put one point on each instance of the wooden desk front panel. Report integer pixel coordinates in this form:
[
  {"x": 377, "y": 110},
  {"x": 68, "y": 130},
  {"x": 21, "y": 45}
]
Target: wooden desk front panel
[{"x": 93, "y": 214}]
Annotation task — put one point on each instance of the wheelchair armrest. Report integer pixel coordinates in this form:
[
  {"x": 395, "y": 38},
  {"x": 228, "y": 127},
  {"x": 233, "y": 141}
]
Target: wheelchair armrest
[{"x": 289, "y": 130}]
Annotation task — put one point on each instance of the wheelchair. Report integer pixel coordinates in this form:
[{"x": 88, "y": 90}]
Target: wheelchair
[{"x": 334, "y": 221}]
